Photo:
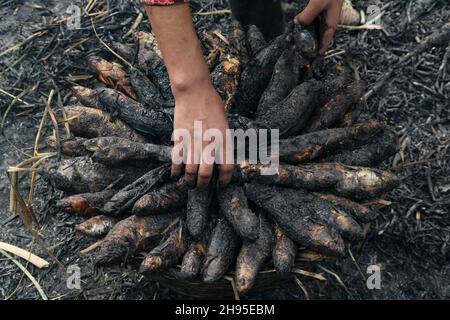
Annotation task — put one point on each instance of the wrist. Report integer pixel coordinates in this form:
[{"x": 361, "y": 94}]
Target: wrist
[{"x": 187, "y": 82}]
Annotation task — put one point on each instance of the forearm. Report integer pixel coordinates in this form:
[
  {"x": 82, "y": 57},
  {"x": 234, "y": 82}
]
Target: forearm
[
  {"x": 196, "y": 100},
  {"x": 179, "y": 46}
]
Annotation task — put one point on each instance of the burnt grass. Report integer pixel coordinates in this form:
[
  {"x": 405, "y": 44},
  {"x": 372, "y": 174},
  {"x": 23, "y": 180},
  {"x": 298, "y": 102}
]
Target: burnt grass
[{"x": 409, "y": 241}]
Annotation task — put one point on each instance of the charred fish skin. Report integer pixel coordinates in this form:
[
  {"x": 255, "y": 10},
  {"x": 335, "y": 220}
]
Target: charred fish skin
[
  {"x": 160, "y": 77},
  {"x": 126, "y": 51},
  {"x": 255, "y": 40},
  {"x": 151, "y": 63},
  {"x": 81, "y": 175},
  {"x": 124, "y": 200},
  {"x": 127, "y": 151},
  {"x": 351, "y": 117},
  {"x": 305, "y": 220},
  {"x": 358, "y": 211},
  {"x": 225, "y": 78},
  {"x": 291, "y": 115},
  {"x": 97, "y": 226},
  {"x": 129, "y": 235},
  {"x": 94, "y": 144},
  {"x": 193, "y": 260},
  {"x": 168, "y": 253},
  {"x": 256, "y": 76},
  {"x": 325, "y": 143},
  {"x": 112, "y": 74},
  {"x": 305, "y": 40},
  {"x": 369, "y": 155},
  {"x": 151, "y": 122},
  {"x": 221, "y": 252},
  {"x": 334, "y": 82},
  {"x": 115, "y": 150},
  {"x": 238, "y": 42},
  {"x": 147, "y": 40},
  {"x": 361, "y": 183},
  {"x": 348, "y": 227},
  {"x": 73, "y": 146},
  {"x": 284, "y": 251},
  {"x": 233, "y": 204},
  {"x": 147, "y": 92},
  {"x": 77, "y": 204},
  {"x": 357, "y": 183},
  {"x": 226, "y": 75},
  {"x": 336, "y": 108},
  {"x": 197, "y": 213},
  {"x": 252, "y": 257},
  {"x": 284, "y": 78},
  {"x": 87, "y": 204},
  {"x": 236, "y": 122},
  {"x": 170, "y": 196},
  {"x": 87, "y": 97},
  {"x": 92, "y": 123}
]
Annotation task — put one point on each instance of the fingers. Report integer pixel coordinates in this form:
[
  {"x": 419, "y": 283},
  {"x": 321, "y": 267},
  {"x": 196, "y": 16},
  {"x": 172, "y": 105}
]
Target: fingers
[
  {"x": 312, "y": 10},
  {"x": 204, "y": 175},
  {"x": 327, "y": 38},
  {"x": 227, "y": 164},
  {"x": 190, "y": 175},
  {"x": 176, "y": 170},
  {"x": 225, "y": 174},
  {"x": 199, "y": 147},
  {"x": 198, "y": 172},
  {"x": 333, "y": 15},
  {"x": 210, "y": 146},
  {"x": 177, "y": 156},
  {"x": 201, "y": 175}
]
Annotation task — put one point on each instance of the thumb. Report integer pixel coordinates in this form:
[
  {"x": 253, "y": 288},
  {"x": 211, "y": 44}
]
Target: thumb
[{"x": 312, "y": 10}]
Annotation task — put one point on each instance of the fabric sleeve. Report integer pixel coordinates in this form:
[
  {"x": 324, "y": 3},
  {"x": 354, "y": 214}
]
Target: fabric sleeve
[{"x": 162, "y": 2}]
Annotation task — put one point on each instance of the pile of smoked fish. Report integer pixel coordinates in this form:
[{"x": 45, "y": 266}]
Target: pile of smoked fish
[{"x": 115, "y": 167}]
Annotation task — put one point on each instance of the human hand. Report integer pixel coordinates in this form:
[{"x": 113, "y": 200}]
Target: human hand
[
  {"x": 333, "y": 10},
  {"x": 198, "y": 102}
]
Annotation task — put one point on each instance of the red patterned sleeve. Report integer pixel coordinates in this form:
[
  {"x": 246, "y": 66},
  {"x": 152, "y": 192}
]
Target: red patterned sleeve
[{"x": 162, "y": 2}]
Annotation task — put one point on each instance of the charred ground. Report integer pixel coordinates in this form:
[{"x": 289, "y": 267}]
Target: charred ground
[{"x": 410, "y": 239}]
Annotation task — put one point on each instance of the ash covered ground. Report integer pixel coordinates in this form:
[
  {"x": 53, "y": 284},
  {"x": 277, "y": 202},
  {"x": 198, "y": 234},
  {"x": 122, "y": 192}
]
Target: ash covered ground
[{"x": 410, "y": 239}]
